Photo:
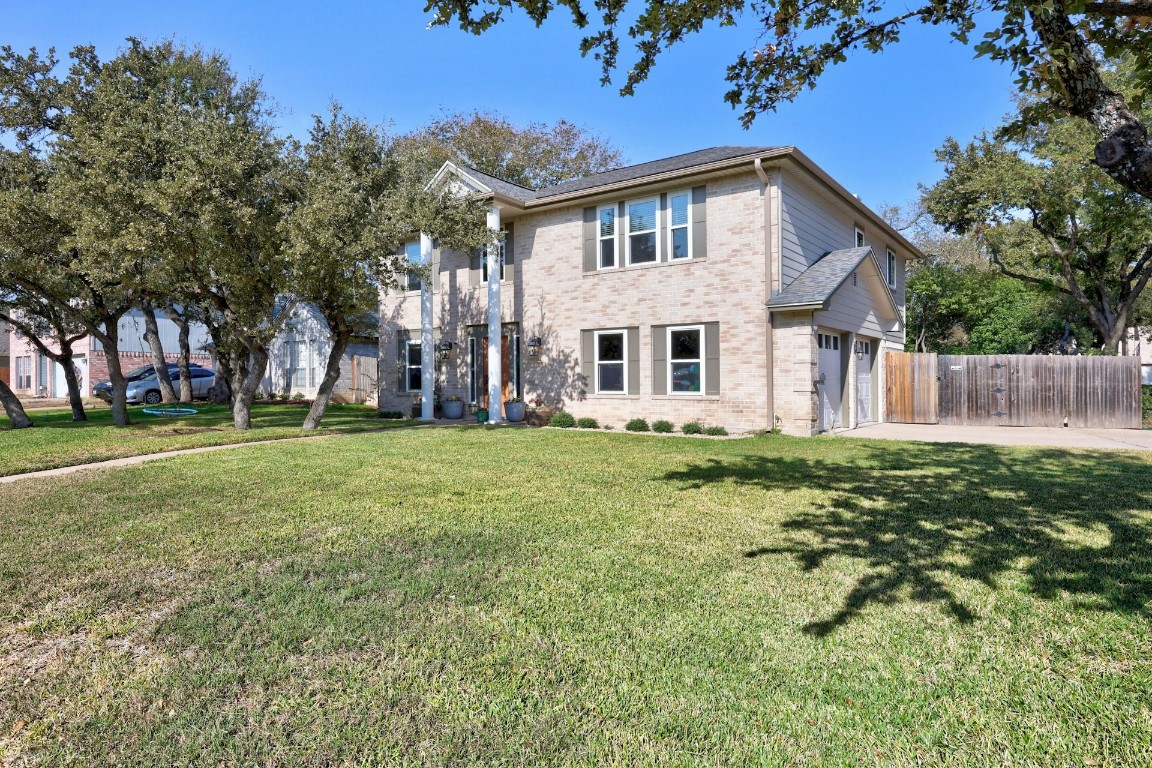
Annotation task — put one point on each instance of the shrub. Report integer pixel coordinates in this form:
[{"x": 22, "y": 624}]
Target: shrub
[
  {"x": 1147, "y": 397},
  {"x": 637, "y": 425},
  {"x": 562, "y": 419},
  {"x": 391, "y": 415},
  {"x": 587, "y": 422},
  {"x": 715, "y": 430},
  {"x": 692, "y": 428},
  {"x": 662, "y": 426}
]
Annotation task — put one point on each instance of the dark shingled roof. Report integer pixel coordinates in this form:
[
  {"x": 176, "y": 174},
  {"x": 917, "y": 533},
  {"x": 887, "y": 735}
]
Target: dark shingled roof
[
  {"x": 636, "y": 172},
  {"x": 816, "y": 284},
  {"x": 515, "y": 191}
]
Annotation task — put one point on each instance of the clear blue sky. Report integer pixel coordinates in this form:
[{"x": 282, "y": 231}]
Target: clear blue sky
[{"x": 872, "y": 123}]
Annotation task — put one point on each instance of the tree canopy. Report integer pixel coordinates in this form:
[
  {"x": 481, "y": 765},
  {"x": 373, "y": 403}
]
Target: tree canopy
[
  {"x": 534, "y": 156},
  {"x": 1051, "y": 44},
  {"x": 1047, "y": 218}
]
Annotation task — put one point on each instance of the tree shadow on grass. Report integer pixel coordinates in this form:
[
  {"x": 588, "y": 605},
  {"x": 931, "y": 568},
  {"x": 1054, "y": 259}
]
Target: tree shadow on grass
[{"x": 921, "y": 516}]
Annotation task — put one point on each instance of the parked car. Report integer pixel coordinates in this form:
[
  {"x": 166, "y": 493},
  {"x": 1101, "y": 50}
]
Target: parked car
[{"x": 144, "y": 388}]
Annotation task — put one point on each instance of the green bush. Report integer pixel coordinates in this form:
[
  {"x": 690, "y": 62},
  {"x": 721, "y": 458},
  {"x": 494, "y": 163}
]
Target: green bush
[
  {"x": 692, "y": 428},
  {"x": 637, "y": 425},
  {"x": 662, "y": 426},
  {"x": 1146, "y": 391},
  {"x": 587, "y": 422},
  {"x": 391, "y": 415},
  {"x": 715, "y": 430},
  {"x": 562, "y": 419}
]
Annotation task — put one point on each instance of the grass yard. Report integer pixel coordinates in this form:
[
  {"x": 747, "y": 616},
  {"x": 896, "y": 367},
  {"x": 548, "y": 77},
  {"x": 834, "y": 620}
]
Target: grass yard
[
  {"x": 57, "y": 441},
  {"x": 542, "y": 597}
]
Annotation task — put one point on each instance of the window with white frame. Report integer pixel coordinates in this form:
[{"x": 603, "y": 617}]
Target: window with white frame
[
  {"x": 299, "y": 362},
  {"x": 24, "y": 373},
  {"x": 891, "y": 268},
  {"x": 484, "y": 263},
  {"x": 686, "y": 359},
  {"x": 611, "y": 362},
  {"x": 679, "y": 225},
  {"x": 859, "y": 237},
  {"x": 412, "y": 362},
  {"x": 606, "y": 216},
  {"x": 643, "y": 243},
  {"x": 412, "y": 253}
]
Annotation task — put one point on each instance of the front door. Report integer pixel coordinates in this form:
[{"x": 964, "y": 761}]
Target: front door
[
  {"x": 829, "y": 376},
  {"x": 509, "y": 365}
]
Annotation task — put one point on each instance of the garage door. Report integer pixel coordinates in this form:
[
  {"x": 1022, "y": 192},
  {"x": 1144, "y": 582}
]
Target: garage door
[{"x": 829, "y": 375}]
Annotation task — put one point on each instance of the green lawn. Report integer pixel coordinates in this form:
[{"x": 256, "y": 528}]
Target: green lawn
[
  {"x": 545, "y": 597},
  {"x": 57, "y": 441}
]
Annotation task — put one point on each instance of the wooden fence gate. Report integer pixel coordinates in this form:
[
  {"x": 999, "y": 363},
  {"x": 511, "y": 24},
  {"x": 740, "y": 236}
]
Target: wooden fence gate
[{"x": 1014, "y": 390}]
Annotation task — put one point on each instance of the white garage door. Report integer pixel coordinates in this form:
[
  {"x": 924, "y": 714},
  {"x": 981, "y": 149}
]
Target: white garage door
[{"x": 829, "y": 374}]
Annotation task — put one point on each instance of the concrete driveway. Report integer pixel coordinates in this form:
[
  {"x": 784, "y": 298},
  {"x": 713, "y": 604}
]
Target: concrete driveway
[{"x": 1046, "y": 437}]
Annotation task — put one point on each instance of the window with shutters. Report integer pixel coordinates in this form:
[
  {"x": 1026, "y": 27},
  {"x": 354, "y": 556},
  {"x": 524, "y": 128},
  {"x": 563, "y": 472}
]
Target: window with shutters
[
  {"x": 606, "y": 218},
  {"x": 680, "y": 225},
  {"x": 686, "y": 359},
  {"x": 412, "y": 253},
  {"x": 643, "y": 244},
  {"x": 484, "y": 263},
  {"x": 611, "y": 362},
  {"x": 411, "y": 363}
]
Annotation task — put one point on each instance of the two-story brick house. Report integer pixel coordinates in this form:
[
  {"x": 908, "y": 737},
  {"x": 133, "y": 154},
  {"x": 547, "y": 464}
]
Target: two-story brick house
[{"x": 739, "y": 286}]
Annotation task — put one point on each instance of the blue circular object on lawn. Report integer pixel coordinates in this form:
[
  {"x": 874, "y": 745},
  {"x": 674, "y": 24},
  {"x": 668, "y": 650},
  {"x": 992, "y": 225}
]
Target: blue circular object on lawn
[{"x": 171, "y": 411}]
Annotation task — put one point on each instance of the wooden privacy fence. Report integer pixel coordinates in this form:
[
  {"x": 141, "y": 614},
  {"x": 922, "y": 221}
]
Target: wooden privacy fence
[{"x": 1013, "y": 390}]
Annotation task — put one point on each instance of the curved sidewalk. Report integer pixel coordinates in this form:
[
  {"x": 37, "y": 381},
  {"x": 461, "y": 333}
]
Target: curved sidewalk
[{"x": 1041, "y": 437}]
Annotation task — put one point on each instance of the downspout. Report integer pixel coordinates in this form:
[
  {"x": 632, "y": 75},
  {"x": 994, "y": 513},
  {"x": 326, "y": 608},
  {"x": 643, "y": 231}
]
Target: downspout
[{"x": 771, "y": 221}]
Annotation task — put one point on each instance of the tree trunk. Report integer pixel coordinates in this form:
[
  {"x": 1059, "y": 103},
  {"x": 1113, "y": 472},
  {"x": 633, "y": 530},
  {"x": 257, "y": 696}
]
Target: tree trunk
[
  {"x": 184, "y": 354},
  {"x": 246, "y": 394},
  {"x": 75, "y": 397},
  {"x": 13, "y": 408},
  {"x": 1124, "y": 152},
  {"x": 331, "y": 376},
  {"x": 116, "y": 377},
  {"x": 152, "y": 336}
]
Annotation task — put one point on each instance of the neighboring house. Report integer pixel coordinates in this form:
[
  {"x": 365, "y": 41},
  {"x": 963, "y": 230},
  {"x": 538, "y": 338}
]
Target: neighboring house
[
  {"x": 299, "y": 354},
  {"x": 738, "y": 286},
  {"x": 36, "y": 375},
  {"x": 5, "y": 362},
  {"x": 1138, "y": 343}
]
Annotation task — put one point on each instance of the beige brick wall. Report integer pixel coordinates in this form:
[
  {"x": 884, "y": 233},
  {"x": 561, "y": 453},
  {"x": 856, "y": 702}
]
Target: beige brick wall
[
  {"x": 551, "y": 296},
  {"x": 795, "y": 354}
]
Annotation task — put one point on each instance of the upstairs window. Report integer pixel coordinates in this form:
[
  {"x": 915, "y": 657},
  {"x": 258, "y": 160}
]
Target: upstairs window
[
  {"x": 859, "y": 237},
  {"x": 412, "y": 252},
  {"x": 484, "y": 263},
  {"x": 607, "y": 236},
  {"x": 891, "y": 269},
  {"x": 679, "y": 222},
  {"x": 643, "y": 245}
]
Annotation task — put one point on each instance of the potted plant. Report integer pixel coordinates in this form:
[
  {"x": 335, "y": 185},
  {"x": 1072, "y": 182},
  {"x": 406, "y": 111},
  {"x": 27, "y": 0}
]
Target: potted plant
[
  {"x": 481, "y": 415},
  {"x": 417, "y": 408},
  {"x": 453, "y": 407},
  {"x": 514, "y": 409}
]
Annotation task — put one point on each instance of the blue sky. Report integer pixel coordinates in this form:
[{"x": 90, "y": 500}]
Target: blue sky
[{"x": 872, "y": 123}]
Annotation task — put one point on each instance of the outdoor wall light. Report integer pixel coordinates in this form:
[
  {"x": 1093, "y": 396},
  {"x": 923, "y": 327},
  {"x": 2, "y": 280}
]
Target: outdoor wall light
[
  {"x": 859, "y": 350},
  {"x": 534, "y": 345},
  {"x": 444, "y": 349}
]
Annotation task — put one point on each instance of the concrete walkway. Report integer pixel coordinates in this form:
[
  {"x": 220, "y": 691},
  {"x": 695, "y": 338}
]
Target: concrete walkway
[{"x": 1044, "y": 437}]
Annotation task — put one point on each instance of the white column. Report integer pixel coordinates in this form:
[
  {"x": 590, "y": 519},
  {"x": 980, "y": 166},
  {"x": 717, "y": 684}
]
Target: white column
[
  {"x": 427, "y": 353},
  {"x": 495, "y": 372}
]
